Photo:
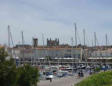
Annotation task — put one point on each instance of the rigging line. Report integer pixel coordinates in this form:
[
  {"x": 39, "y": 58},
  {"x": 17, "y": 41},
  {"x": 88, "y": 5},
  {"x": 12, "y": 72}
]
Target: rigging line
[
  {"x": 12, "y": 42},
  {"x": 78, "y": 38},
  {"x": 11, "y": 39},
  {"x": 107, "y": 40},
  {"x": 97, "y": 41},
  {"x": 8, "y": 35},
  {"x": 87, "y": 40},
  {"x": 84, "y": 37}
]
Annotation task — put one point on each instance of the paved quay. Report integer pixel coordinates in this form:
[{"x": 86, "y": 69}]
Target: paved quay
[{"x": 66, "y": 81}]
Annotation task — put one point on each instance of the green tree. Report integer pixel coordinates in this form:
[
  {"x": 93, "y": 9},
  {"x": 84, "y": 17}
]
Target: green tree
[
  {"x": 10, "y": 75},
  {"x": 3, "y": 55},
  {"x": 28, "y": 76},
  {"x": 7, "y": 70}
]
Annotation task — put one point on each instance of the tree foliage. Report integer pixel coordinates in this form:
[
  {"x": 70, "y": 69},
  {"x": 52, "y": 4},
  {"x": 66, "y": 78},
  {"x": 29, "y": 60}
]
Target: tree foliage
[
  {"x": 100, "y": 79},
  {"x": 10, "y": 75},
  {"x": 3, "y": 55},
  {"x": 28, "y": 76},
  {"x": 7, "y": 70}
]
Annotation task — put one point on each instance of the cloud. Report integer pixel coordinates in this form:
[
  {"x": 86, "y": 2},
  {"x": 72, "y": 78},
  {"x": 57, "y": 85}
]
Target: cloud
[{"x": 55, "y": 18}]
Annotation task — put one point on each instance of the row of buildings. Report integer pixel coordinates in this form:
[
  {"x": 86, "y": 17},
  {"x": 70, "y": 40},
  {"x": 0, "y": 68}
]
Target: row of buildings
[{"x": 58, "y": 53}]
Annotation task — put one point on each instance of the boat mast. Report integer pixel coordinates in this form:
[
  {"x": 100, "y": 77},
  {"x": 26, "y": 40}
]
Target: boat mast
[
  {"x": 22, "y": 38},
  {"x": 84, "y": 37},
  {"x": 95, "y": 39},
  {"x": 106, "y": 37},
  {"x": 22, "y": 35},
  {"x": 85, "y": 56},
  {"x": 8, "y": 35},
  {"x": 43, "y": 47},
  {"x": 72, "y": 53},
  {"x": 75, "y": 35},
  {"x": 11, "y": 42},
  {"x": 96, "y": 44}
]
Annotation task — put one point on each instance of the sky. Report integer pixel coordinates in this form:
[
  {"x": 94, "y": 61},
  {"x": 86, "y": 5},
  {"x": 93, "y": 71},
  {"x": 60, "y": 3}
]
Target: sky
[{"x": 55, "y": 19}]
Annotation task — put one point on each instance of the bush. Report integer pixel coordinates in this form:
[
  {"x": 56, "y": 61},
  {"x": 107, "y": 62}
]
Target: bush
[
  {"x": 97, "y": 69},
  {"x": 101, "y": 79}
]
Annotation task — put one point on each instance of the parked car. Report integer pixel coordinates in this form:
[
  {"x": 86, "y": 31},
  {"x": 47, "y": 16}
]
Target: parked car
[{"x": 49, "y": 75}]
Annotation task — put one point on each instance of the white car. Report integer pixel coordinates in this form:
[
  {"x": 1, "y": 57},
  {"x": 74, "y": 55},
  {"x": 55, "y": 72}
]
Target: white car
[{"x": 49, "y": 75}]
